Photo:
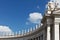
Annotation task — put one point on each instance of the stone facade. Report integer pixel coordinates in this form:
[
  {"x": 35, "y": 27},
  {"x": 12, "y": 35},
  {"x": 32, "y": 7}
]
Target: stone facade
[{"x": 50, "y": 30}]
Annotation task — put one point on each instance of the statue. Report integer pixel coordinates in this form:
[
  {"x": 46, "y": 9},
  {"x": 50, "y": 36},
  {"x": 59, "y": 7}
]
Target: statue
[
  {"x": 57, "y": 2},
  {"x": 53, "y": 5}
]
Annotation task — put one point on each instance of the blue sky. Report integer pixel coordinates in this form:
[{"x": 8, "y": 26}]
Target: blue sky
[{"x": 15, "y": 13}]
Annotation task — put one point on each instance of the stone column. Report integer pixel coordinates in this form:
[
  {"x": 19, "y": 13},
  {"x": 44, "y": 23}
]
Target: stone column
[
  {"x": 48, "y": 32},
  {"x": 38, "y": 38},
  {"x": 49, "y": 22},
  {"x": 56, "y": 31}
]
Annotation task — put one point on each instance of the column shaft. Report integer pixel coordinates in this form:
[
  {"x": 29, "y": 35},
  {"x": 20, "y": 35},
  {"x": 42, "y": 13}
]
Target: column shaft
[
  {"x": 56, "y": 31},
  {"x": 48, "y": 33}
]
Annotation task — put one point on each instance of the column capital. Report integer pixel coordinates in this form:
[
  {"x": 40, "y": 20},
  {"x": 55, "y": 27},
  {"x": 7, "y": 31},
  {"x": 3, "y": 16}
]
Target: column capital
[
  {"x": 49, "y": 21},
  {"x": 56, "y": 22}
]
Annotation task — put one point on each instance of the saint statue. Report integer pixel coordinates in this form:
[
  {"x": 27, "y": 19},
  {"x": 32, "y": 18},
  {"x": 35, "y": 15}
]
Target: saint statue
[
  {"x": 57, "y": 2},
  {"x": 53, "y": 5}
]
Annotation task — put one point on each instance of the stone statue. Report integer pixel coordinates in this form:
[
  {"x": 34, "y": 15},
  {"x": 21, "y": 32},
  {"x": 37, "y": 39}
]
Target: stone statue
[
  {"x": 53, "y": 5},
  {"x": 57, "y": 2}
]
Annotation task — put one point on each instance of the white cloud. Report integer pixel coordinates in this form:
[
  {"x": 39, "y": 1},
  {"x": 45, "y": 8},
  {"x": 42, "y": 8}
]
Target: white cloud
[
  {"x": 35, "y": 17},
  {"x": 5, "y": 29}
]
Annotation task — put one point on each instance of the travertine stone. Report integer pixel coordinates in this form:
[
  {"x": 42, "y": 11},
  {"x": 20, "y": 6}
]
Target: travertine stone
[
  {"x": 56, "y": 31},
  {"x": 48, "y": 32}
]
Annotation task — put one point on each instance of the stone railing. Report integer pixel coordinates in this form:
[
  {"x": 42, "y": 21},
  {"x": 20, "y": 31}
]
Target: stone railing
[{"x": 20, "y": 33}]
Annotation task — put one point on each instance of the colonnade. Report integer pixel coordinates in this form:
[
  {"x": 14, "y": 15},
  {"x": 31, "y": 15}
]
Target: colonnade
[{"x": 37, "y": 38}]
